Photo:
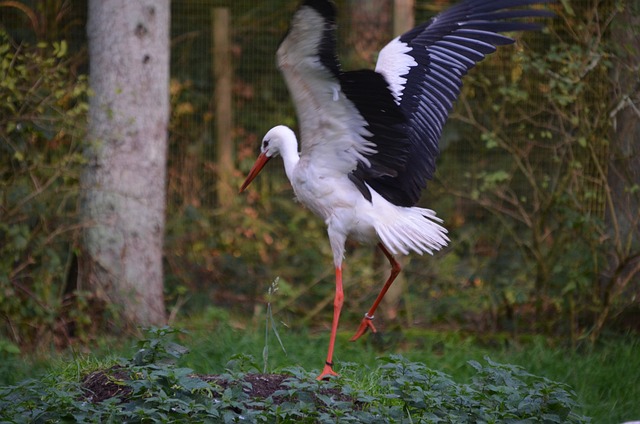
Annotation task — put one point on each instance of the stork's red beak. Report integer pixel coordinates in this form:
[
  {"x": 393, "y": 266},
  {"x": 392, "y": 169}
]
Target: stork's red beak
[{"x": 255, "y": 170}]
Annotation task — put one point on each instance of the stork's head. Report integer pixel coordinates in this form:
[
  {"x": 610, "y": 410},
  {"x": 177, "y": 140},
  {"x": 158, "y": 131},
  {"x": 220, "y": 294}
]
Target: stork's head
[
  {"x": 275, "y": 139},
  {"x": 273, "y": 143}
]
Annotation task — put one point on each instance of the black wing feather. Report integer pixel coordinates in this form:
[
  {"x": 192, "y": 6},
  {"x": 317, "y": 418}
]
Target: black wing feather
[
  {"x": 445, "y": 49},
  {"x": 404, "y": 120},
  {"x": 369, "y": 92}
]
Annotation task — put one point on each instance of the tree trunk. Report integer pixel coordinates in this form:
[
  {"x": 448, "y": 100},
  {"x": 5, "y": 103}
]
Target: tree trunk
[
  {"x": 124, "y": 180},
  {"x": 620, "y": 283},
  {"x": 370, "y": 26},
  {"x": 624, "y": 166},
  {"x": 403, "y": 21},
  {"x": 222, "y": 75}
]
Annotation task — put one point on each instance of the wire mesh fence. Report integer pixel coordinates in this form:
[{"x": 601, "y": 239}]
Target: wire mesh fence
[
  {"x": 259, "y": 97},
  {"x": 500, "y": 158}
]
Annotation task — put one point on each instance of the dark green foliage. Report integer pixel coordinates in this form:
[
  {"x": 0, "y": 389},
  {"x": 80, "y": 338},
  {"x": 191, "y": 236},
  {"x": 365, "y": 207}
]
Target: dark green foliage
[
  {"x": 42, "y": 105},
  {"x": 397, "y": 391},
  {"x": 544, "y": 222},
  {"x": 497, "y": 393}
]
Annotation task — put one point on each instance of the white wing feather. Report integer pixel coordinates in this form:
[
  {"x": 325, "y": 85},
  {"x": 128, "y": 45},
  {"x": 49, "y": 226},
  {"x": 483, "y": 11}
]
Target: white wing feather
[{"x": 332, "y": 131}]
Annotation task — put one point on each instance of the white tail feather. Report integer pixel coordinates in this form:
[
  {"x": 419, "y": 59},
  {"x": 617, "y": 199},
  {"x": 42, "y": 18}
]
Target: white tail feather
[{"x": 412, "y": 229}]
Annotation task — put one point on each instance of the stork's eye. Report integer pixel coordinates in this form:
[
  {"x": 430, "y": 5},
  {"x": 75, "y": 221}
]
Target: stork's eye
[{"x": 265, "y": 144}]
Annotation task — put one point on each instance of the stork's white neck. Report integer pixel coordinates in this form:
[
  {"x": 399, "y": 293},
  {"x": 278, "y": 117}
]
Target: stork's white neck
[
  {"x": 290, "y": 155},
  {"x": 287, "y": 144}
]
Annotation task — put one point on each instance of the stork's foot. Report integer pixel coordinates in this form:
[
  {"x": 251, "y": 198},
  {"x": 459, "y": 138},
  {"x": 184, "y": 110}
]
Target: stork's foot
[
  {"x": 364, "y": 326},
  {"x": 327, "y": 372}
]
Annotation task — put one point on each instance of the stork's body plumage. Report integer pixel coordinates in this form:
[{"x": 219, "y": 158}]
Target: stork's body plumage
[
  {"x": 331, "y": 195},
  {"x": 369, "y": 139}
]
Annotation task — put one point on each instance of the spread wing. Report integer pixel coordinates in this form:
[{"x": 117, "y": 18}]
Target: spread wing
[
  {"x": 425, "y": 68},
  {"x": 346, "y": 119},
  {"x": 382, "y": 127}
]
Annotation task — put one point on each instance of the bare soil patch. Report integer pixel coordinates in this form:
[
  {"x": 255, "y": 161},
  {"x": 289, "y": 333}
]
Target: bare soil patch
[{"x": 106, "y": 384}]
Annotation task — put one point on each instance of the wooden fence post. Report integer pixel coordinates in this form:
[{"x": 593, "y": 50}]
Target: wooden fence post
[
  {"x": 222, "y": 74},
  {"x": 403, "y": 16},
  {"x": 403, "y": 21}
]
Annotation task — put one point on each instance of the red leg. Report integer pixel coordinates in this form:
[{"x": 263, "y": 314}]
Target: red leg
[
  {"x": 368, "y": 317},
  {"x": 337, "y": 307}
]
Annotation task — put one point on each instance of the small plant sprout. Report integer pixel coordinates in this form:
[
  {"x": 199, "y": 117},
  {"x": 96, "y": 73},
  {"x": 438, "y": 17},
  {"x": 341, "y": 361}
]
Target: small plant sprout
[{"x": 270, "y": 323}]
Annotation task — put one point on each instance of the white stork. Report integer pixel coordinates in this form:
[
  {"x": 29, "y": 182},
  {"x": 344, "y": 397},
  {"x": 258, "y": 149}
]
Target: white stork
[{"x": 369, "y": 139}]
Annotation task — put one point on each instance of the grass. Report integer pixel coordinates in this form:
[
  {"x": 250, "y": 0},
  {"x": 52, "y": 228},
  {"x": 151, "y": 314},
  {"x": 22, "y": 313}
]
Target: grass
[{"x": 604, "y": 377}]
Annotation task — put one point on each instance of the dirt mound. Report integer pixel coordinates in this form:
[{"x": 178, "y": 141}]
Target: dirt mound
[{"x": 106, "y": 384}]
